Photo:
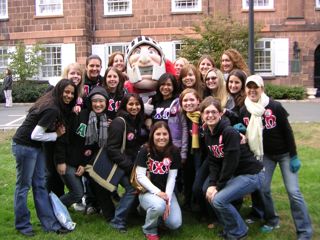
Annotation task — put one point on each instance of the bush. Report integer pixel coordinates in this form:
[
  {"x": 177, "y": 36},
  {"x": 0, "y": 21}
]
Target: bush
[
  {"x": 26, "y": 91},
  {"x": 285, "y": 92}
]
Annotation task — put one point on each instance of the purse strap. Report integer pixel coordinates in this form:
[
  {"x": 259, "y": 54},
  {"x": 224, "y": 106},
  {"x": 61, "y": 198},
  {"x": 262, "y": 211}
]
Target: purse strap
[{"x": 123, "y": 146}]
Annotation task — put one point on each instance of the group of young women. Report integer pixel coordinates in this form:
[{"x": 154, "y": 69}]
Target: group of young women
[{"x": 212, "y": 138}]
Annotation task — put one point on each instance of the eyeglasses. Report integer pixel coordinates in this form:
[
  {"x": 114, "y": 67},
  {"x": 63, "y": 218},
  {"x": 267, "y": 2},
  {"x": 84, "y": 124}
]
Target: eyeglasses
[
  {"x": 213, "y": 112},
  {"x": 211, "y": 78}
]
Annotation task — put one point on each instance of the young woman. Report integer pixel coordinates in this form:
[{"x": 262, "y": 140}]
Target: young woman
[
  {"x": 205, "y": 63},
  {"x": 7, "y": 87},
  {"x": 270, "y": 136},
  {"x": 179, "y": 63},
  {"x": 215, "y": 86},
  {"x": 116, "y": 60},
  {"x": 43, "y": 123},
  {"x": 92, "y": 76},
  {"x": 234, "y": 171},
  {"x": 232, "y": 59},
  {"x": 189, "y": 101},
  {"x": 190, "y": 78},
  {"x": 162, "y": 160},
  {"x": 75, "y": 72},
  {"x": 113, "y": 81},
  {"x": 132, "y": 111}
]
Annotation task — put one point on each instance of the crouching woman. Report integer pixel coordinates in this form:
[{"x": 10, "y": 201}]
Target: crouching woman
[
  {"x": 161, "y": 160},
  {"x": 234, "y": 171}
]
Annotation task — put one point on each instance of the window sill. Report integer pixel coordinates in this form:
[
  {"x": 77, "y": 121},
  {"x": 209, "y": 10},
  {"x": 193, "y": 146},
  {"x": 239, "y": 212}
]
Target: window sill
[
  {"x": 5, "y": 19},
  {"x": 186, "y": 12},
  {"x": 259, "y": 10},
  {"x": 118, "y": 15},
  {"x": 48, "y": 16}
]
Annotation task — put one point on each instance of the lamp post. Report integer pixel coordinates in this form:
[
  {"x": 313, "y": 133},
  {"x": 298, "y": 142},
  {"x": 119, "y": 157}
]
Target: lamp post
[{"x": 251, "y": 37}]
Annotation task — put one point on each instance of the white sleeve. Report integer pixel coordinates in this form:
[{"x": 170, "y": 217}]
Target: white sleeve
[
  {"x": 145, "y": 181},
  {"x": 171, "y": 181},
  {"x": 39, "y": 134}
]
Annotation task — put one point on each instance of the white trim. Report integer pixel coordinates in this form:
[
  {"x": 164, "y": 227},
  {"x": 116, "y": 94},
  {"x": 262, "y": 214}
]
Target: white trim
[
  {"x": 269, "y": 6},
  {"x": 5, "y": 15},
  {"x": 51, "y": 5},
  {"x": 183, "y": 8},
  {"x": 318, "y": 4},
  {"x": 119, "y": 7}
]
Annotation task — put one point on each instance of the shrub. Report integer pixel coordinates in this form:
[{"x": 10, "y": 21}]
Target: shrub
[
  {"x": 285, "y": 92},
  {"x": 27, "y": 91}
]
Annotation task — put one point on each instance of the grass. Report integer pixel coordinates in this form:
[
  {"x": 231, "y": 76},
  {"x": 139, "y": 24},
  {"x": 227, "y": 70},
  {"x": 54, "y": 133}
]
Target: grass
[{"x": 94, "y": 227}]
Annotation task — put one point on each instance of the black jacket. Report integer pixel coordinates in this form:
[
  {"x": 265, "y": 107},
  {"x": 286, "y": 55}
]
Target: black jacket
[{"x": 227, "y": 157}]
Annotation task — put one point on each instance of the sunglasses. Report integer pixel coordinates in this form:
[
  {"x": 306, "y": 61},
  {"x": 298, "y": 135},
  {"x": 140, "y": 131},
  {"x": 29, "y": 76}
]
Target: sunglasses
[{"x": 211, "y": 78}]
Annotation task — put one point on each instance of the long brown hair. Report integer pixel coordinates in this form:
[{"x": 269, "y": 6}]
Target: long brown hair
[{"x": 167, "y": 152}]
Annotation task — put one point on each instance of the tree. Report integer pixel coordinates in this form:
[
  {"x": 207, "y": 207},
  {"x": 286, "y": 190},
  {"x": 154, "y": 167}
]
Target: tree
[
  {"x": 216, "y": 35},
  {"x": 25, "y": 61}
]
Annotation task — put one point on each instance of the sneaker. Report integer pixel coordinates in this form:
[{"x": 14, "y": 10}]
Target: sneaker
[
  {"x": 250, "y": 221},
  {"x": 152, "y": 237},
  {"x": 268, "y": 228},
  {"x": 91, "y": 210},
  {"x": 78, "y": 207},
  {"x": 121, "y": 229}
]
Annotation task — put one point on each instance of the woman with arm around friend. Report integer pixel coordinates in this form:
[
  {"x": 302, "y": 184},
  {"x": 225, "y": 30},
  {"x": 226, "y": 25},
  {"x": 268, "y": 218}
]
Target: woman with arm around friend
[
  {"x": 42, "y": 124},
  {"x": 270, "y": 137},
  {"x": 161, "y": 159},
  {"x": 234, "y": 172}
]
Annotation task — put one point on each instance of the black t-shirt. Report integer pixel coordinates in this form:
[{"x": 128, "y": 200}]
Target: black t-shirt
[
  {"x": 46, "y": 118},
  {"x": 161, "y": 111},
  {"x": 158, "y": 166}
]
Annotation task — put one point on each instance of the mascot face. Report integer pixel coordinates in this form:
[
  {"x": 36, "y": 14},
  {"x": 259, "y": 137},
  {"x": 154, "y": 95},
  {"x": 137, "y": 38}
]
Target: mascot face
[{"x": 145, "y": 63}]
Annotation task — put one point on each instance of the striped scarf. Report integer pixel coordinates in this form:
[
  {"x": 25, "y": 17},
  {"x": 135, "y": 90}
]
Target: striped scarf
[{"x": 194, "y": 117}]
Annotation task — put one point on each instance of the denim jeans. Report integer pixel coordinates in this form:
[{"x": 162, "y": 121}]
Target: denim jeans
[
  {"x": 30, "y": 167},
  {"x": 298, "y": 206},
  {"x": 74, "y": 184},
  {"x": 125, "y": 204},
  {"x": 237, "y": 187},
  {"x": 155, "y": 207}
]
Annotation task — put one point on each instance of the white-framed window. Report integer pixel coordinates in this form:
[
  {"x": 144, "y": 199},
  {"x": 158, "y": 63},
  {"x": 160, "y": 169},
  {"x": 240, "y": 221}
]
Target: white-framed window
[
  {"x": 272, "y": 56},
  {"x": 318, "y": 4},
  {"x": 177, "y": 49},
  {"x": 3, "y": 58},
  {"x": 178, "y": 6},
  {"x": 56, "y": 58},
  {"x": 3, "y": 9},
  {"x": 258, "y": 4},
  {"x": 117, "y": 7},
  {"x": 49, "y": 7}
]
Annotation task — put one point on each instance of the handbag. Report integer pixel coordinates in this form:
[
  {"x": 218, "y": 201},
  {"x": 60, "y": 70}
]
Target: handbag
[
  {"x": 134, "y": 181},
  {"x": 105, "y": 172}
]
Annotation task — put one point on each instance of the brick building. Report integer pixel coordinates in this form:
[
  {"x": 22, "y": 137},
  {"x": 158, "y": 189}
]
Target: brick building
[{"x": 288, "y": 53}]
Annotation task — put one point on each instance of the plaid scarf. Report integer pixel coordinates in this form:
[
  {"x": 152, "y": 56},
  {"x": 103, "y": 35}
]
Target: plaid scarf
[
  {"x": 194, "y": 117},
  {"x": 92, "y": 134}
]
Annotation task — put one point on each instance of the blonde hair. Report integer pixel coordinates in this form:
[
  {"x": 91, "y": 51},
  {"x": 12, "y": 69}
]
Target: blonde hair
[
  {"x": 221, "y": 92},
  {"x": 79, "y": 68},
  {"x": 184, "y": 60}
]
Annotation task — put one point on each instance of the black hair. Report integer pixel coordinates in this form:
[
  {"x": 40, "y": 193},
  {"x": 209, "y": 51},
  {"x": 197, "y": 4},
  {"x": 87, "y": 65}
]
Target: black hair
[{"x": 163, "y": 78}]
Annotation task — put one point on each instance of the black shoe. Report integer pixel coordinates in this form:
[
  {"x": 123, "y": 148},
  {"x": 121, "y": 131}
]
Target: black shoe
[
  {"x": 62, "y": 231},
  {"x": 236, "y": 238},
  {"x": 28, "y": 234}
]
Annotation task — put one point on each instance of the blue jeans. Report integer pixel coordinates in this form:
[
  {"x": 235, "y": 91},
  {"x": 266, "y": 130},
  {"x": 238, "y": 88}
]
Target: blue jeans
[
  {"x": 236, "y": 188},
  {"x": 30, "y": 167},
  {"x": 155, "y": 207},
  {"x": 298, "y": 206},
  {"x": 74, "y": 184},
  {"x": 125, "y": 204}
]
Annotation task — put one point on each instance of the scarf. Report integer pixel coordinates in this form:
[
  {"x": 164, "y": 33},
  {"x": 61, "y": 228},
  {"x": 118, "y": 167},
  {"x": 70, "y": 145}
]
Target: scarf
[
  {"x": 194, "y": 117},
  {"x": 92, "y": 134},
  {"x": 255, "y": 127}
]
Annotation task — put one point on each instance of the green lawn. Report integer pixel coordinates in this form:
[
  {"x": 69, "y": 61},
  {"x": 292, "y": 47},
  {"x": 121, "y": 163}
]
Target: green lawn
[{"x": 94, "y": 227}]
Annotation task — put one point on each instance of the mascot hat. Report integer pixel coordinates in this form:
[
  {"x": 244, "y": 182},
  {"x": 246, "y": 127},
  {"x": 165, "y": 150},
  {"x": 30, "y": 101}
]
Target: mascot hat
[{"x": 134, "y": 73}]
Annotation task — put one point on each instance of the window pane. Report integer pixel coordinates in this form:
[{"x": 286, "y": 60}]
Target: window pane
[
  {"x": 52, "y": 62},
  {"x": 3, "y": 59},
  {"x": 49, "y": 7},
  {"x": 117, "y": 7},
  {"x": 262, "y": 58},
  {"x": 3, "y": 8}
]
